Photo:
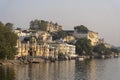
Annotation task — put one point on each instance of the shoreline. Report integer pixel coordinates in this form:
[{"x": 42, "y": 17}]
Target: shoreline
[{"x": 17, "y": 62}]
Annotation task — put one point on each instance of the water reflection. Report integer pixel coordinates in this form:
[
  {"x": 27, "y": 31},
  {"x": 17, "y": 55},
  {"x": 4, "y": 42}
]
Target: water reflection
[
  {"x": 7, "y": 73},
  {"x": 82, "y": 70},
  {"x": 93, "y": 70},
  {"x": 64, "y": 70}
]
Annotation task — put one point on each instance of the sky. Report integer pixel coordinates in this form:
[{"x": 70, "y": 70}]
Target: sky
[{"x": 102, "y": 16}]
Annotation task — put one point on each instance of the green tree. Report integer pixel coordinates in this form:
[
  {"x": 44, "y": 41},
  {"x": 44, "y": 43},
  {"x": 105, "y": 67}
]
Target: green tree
[
  {"x": 61, "y": 56},
  {"x": 81, "y": 29},
  {"x": 102, "y": 50},
  {"x": 108, "y": 51},
  {"x": 38, "y": 25},
  {"x": 83, "y": 45},
  {"x": 58, "y": 35},
  {"x": 7, "y": 43},
  {"x": 115, "y": 50},
  {"x": 9, "y": 26},
  {"x": 43, "y": 25}
]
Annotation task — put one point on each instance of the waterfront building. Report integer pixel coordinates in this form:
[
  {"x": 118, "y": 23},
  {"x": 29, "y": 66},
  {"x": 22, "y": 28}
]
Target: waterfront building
[
  {"x": 64, "y": 48},
  {"x": 36, "y": 44},
  {"x": 32, "y": 48},
  {"x": 44, "y": 49}
]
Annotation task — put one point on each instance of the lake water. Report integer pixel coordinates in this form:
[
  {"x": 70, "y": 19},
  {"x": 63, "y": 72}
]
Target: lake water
[{"x": 98, "y": 69}]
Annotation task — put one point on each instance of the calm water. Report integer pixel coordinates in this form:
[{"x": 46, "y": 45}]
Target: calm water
[{"x": 108, "y": 69}]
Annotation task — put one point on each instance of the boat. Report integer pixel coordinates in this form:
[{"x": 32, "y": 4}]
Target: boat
[{"x": 80, "y": 58}]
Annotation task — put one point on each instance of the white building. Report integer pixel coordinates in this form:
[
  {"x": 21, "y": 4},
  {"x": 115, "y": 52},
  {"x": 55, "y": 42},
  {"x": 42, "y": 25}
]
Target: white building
[
  {"x": 21, "y": 33},
  {"x": 64, "y": 48}
]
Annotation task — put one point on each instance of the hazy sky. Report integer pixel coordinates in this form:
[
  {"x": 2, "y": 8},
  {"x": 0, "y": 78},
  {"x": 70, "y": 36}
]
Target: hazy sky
[{"x": 102, "y": 16}]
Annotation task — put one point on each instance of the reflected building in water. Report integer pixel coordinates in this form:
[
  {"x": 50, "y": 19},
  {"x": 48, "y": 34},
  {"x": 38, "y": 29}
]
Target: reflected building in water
[
  {"x": 46, "y": 71},
  {"x": 64, "y": 70},
  {"x": 7, "y": 73},
  {"x": 93, "y": 70}
]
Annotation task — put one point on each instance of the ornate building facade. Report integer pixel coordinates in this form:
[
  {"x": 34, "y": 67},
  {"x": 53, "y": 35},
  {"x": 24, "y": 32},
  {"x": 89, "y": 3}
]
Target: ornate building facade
[
  {"x": 32, "y": 48},
  {"x": 46, "y": 50}
]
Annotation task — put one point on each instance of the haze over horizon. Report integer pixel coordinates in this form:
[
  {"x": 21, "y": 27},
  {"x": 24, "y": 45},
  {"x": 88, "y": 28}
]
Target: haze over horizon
[{"x": 102, "y": 16}]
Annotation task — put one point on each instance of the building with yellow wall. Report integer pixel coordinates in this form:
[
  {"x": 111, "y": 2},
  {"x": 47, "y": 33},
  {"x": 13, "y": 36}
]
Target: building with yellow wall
[
  {"x": 32, "y": 49},
  {"x": 93, "y": 36},
  {"x": 44, "y": 50},
  {"x": 68, "y": 38}
]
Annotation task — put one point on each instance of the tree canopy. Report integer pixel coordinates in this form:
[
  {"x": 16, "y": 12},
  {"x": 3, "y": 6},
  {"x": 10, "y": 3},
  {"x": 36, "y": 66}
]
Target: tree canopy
[
  {"x": 115, "y": 50},
  {"x": 38, "y": 25},
  {"x": 7, "y": 42},
  {"x": 58, "y": 35},
  {"x": 83, "y": 46},
  {"x": 102, "y": 50},
  {"x": 9, "y": 26},
  {"x": 81, "y": 29}
]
